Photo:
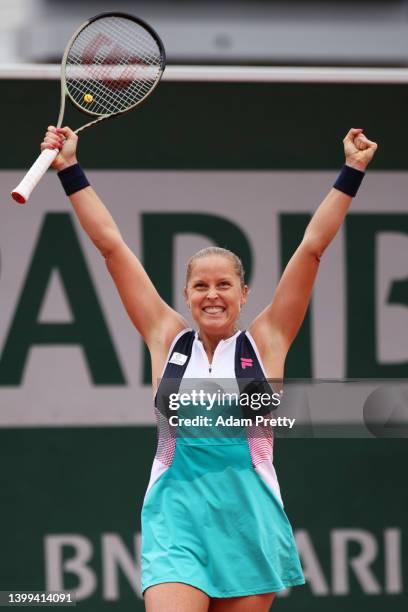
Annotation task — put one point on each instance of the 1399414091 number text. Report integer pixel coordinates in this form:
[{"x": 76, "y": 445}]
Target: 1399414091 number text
[{"x": 32, "y": 598}]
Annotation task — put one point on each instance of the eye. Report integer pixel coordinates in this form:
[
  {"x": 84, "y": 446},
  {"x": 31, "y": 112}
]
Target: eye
[
  {"x": 224, "y": 284},
  {"x": 199, "y": 285}
]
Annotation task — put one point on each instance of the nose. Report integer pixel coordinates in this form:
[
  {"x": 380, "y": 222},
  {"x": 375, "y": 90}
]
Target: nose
[{"x": 212, "y": 293}]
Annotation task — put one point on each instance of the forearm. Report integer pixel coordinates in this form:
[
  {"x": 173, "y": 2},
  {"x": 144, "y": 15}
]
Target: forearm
[
  {"x": 329, "y": 217},
  {"x": 90, "y": 210},
  {"x": 96, "y": 220},
  {"x": 327, "y": 221}
]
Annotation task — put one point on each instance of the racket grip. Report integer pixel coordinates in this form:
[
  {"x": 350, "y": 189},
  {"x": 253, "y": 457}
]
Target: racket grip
[{"x": 23, "y": 190}]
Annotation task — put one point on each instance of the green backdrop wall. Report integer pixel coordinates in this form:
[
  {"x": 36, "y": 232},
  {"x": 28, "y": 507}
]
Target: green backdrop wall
[{"x": 69, "y": 488}]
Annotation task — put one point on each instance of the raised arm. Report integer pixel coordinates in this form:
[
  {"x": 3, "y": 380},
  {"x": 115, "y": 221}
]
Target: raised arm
[
  {"x": 154, "y": 319},
  {"x": 276, "y": 327}
]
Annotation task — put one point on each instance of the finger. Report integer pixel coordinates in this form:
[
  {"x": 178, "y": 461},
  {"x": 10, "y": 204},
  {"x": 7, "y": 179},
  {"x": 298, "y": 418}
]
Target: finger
[
  {"x": 54, "y": 142},
  {"x": 371, "y": 144},
  {"x": 52, "y": 137},
  {"x": 47, "y": 145},
  {"x": 363, "y": 138},
  {"x": 351, "y": 134},
  {"x": 50, "y": 134},
  {"x": 361, "y": 142},
  {"x": 55, "y": 139},
  {"x": 67, "y": 132}
]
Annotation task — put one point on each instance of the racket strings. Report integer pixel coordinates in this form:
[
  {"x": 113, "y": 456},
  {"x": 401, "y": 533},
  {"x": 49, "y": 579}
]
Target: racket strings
[
  {"x": 105, "y": 96},
  {"x": 112, "y": 65},
  {"x": 102, "y": 102},
  {"x": 129, "y": 38}
]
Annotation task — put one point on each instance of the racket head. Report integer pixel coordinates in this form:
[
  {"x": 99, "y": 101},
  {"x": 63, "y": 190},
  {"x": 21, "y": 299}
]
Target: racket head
[{"x": 112, "y": 63}]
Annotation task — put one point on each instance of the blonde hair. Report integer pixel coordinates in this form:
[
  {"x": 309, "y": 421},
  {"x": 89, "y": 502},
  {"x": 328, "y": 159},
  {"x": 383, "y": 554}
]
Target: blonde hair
[{"x": 213, "y": 250}]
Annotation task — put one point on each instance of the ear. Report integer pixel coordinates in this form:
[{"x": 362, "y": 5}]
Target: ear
[
  {"x": 186, "y": 297},
  {"x": 245, "y": 293}
]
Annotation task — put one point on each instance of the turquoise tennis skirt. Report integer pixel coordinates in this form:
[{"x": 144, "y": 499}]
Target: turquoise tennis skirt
[{"x": 211, "y": 522}]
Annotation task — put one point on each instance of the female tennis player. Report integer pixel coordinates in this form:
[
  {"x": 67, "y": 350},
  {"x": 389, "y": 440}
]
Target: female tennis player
[{"x": 215, "y": 536}]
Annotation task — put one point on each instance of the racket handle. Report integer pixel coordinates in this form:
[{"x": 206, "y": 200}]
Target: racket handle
[{"x": 23, "y": 190}]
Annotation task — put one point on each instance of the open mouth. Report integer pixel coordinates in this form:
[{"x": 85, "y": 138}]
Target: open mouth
[{"x": 212, "y": 310}]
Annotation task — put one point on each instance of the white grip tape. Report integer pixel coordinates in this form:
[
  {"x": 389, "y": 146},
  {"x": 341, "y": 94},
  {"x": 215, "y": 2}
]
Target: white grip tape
[{"x": 23, "y": 190}]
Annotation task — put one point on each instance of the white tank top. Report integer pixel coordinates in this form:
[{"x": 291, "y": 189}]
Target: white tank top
[{"x": 222, "y": 367}]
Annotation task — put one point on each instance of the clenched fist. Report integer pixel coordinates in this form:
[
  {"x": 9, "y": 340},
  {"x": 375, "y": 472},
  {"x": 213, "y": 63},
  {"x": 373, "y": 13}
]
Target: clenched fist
[{"x": 358, "y": 150}]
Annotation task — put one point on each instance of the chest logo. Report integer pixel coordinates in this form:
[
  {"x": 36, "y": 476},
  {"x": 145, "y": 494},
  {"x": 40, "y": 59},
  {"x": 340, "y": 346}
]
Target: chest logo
[
  {"x": 246, "y": 362},
  {"x": 178, "y": 359}
]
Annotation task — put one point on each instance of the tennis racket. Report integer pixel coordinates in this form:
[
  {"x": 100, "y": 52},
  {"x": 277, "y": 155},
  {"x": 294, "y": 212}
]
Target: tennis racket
[{"x": 112, "y": 63}]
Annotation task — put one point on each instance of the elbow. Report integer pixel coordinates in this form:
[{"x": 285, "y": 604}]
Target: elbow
[
  {"x": 314, "y": 246},
  {"x": 108, "y": 242}
]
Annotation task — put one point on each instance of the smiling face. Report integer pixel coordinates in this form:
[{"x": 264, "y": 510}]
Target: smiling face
[{"x": 215, "y": 295}]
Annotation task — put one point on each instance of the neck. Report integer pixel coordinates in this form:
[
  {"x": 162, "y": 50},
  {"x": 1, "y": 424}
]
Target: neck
[{"x": 210, "y": 341}]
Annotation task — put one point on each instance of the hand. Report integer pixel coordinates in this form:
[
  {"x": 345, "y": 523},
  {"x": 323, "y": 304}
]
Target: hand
[
  {"x": 358, "y": 150},
  {"x": 65, "y": 141}
]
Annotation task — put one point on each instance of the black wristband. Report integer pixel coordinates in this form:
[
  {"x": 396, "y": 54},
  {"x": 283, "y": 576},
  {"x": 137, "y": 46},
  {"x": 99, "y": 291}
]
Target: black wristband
[
  {"x": 73, "y": 179},
  {"x": 349, "y": 180}
]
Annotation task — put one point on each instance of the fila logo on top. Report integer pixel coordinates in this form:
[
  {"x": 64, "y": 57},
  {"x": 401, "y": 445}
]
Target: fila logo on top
[{"x": 246, "y": 362}]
